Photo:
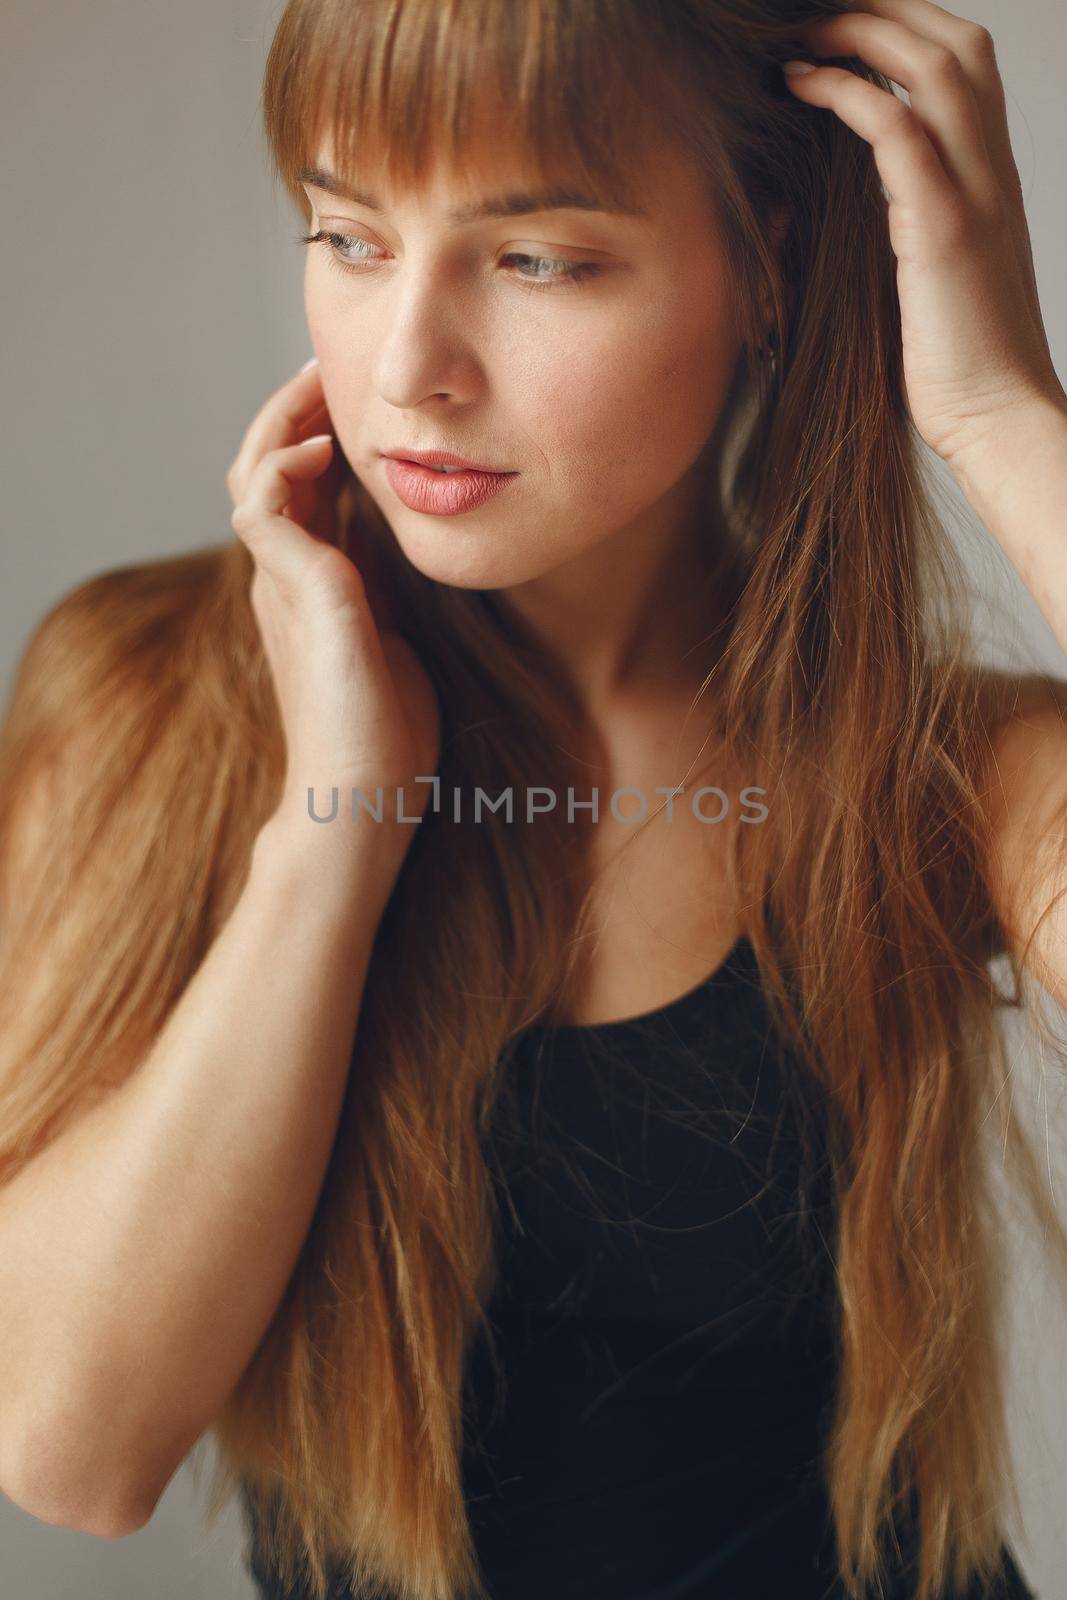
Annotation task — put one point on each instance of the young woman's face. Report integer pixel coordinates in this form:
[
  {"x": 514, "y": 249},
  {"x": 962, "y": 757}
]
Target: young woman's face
[{"x": 466, "y": 336}]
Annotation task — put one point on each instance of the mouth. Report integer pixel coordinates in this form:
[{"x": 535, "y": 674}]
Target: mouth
[
  {"x": 449, "y": 472},
  {"x": 426, "y": 488},
  {"x": 444, "y": 462}
]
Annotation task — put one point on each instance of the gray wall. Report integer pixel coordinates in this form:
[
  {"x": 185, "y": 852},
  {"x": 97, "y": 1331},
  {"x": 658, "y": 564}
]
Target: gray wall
[{"x": 151, "y": 300}]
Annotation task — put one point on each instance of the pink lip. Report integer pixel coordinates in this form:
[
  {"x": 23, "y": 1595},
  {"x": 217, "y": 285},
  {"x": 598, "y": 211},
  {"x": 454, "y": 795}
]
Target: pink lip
[
  {"x": 439, "y": 458},
  {"x": 443, "y": 494}
]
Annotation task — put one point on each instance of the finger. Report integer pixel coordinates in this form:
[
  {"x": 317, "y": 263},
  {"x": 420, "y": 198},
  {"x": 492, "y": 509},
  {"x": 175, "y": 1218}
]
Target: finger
[
  {"x": 974, "y": 45},
  {"x": 907, "y": 162},
  {"x": 317, "y": 421},
  {"x": 315, "y": 504},
  {"x": 278, "y": 544},
  {"x": 277, "y": 423},
  {"x": 938, "y": 85}
]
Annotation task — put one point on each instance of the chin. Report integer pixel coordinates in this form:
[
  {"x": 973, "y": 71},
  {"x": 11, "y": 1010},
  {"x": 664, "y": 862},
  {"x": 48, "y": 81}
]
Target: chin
[{"x": 480, "y": 556}]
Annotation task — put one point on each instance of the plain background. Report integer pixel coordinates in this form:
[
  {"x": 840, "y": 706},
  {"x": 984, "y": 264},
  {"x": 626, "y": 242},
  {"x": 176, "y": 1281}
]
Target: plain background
[{"x": 151, "y": 301}]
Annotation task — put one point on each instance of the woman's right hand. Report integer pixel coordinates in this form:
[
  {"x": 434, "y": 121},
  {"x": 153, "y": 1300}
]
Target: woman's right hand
[{"x": 358, "y": 708}]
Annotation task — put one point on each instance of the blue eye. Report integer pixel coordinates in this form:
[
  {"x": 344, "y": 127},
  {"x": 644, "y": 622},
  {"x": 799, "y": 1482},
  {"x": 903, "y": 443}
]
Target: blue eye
[{"x": 571, "y": 272}]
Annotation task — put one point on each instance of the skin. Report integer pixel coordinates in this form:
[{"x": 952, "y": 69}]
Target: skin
[{"x": 602, "y": 396}]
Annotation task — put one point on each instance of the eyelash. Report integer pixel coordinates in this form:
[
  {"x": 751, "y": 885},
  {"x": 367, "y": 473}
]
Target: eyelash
[{"x": 576, "y": 275}]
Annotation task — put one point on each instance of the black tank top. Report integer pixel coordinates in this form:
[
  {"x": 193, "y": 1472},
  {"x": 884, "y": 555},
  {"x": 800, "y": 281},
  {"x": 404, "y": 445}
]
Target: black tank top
[{"x": 664, "y": 1320}]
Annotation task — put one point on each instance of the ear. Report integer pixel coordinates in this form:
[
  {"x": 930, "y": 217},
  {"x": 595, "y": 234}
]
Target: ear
[
  {"x": 777, "y": 227},
  {"x": 778, "y": 224}
]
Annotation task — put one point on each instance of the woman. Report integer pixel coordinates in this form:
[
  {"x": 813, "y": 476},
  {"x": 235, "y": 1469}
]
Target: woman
[{"x": 279, "y": 1000}]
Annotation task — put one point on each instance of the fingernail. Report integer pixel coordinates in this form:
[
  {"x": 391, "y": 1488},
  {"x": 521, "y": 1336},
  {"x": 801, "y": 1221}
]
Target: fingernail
[
  {"x": 318, "y": 438},
  {"x": 309, "y": 364},
  {"x": 794, "y": 67}
]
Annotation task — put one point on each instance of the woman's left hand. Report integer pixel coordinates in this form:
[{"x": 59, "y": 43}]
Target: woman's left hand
[{"x": 974, "y": 343}]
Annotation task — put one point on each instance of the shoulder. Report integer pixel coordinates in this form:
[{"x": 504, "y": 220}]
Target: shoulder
[
  {"x": 109, "y": 630},
  {"x": 1025, "y": 793},
  {"x": 119, "y": 598},
  {"x": 100, "y": 674},
  {"x": 127, "y": 729}
]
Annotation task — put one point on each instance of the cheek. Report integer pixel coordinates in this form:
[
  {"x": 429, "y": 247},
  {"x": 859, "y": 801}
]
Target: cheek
[
  {"x": 650, "y": 396},
  {"x": 683, "y": 371},
  {"x": 331, "y": 339},
  {"x": 691, "y": 381},
  {"x": 317, "y": 301}
]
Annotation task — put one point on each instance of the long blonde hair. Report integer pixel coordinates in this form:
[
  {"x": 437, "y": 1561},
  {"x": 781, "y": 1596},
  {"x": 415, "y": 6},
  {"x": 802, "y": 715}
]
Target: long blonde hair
[{"x": 843, "y": 687}]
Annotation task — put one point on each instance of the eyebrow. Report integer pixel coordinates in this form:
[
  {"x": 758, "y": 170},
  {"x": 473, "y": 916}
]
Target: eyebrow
[{"x": 518, "y": 204}]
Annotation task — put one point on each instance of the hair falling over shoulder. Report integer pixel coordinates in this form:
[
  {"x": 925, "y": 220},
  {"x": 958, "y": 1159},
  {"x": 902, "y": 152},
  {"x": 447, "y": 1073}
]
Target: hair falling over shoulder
[{"x": 144, "y": 704}]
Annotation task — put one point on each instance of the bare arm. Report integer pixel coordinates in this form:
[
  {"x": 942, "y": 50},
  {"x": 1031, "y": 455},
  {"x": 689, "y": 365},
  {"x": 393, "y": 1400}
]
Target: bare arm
[{"x": 144, "y": 1251}]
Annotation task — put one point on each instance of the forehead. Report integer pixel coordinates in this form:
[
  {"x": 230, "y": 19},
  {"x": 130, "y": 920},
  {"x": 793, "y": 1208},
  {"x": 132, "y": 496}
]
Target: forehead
[{"x": 490, "y": 180}]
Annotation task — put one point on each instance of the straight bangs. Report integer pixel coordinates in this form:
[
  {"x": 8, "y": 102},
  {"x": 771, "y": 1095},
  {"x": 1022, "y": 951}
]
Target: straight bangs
[{"x": 396, "y": 86}]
